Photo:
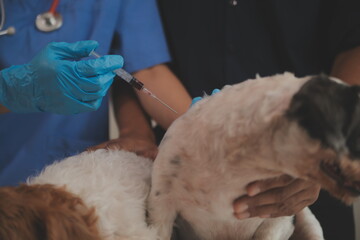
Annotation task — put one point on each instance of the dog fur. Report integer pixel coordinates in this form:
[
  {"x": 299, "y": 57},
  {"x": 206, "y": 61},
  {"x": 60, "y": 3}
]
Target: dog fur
[
  {"x": 304, "y": 127},
  {"x": 94, "y": 196}
]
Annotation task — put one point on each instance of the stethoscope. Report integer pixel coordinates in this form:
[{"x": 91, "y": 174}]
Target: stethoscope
[{"x": 46, "y": 22}]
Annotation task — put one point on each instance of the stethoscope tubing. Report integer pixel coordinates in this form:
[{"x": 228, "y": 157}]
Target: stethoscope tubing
[
  {"x": 2, "y": 12},
  {"x": 52, "y": 11},
  {"x": 53, "y": 7}
]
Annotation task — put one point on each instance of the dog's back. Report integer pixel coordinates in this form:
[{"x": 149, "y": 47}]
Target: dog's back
[
  {"x": 210, "y": 154},
  {"x": 114, "y": 183}
]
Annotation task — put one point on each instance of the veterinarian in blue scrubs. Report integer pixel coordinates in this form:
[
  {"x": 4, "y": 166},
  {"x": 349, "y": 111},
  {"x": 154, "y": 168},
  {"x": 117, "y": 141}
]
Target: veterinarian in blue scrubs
[
  {"x": 130, "y": 28},
  {"x": 214, "y": 43}
]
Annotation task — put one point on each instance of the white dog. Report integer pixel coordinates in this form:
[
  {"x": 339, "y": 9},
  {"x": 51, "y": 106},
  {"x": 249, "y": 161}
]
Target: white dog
[
  {"x": 93, "y": 196},
  {"x": 304, "y": 127}
]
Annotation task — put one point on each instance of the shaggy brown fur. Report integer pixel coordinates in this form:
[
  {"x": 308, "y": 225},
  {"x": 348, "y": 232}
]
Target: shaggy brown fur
[{"x": 44, "y": 212}]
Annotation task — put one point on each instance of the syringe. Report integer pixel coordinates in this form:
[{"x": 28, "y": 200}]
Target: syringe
[{"x": 134, "y": 82}]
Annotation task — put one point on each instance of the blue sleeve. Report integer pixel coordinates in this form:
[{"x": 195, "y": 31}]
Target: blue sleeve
[{"x": 139, "y": 35}]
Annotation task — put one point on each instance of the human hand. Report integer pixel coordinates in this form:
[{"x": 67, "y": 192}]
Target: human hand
[
  {"x": 138, "y": 144},
  {"x": 283, "y": 196},
  {"x": 58, "y": 81},
  {"x": 196, "y": 99}
]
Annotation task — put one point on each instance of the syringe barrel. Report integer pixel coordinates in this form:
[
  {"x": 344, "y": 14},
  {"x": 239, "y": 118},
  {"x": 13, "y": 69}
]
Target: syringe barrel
[
  {"x": 129, "y": 78},
  {"x": 123, "y": 74}
]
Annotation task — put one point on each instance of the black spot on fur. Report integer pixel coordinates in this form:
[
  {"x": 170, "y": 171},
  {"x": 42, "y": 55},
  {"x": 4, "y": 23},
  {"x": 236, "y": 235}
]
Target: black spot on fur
[
  {"x": 176, "y": 160},
  {"x": 330, "y": 112},
  {"x": 294, "y": 220},
  {"x": 184, "y": 230}
]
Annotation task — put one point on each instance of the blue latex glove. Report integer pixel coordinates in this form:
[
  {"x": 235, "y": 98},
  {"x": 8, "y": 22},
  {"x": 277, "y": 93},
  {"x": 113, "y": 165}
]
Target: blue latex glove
[
  {"x": 195, "y": 100},
  {"x": 58, "y": 81}
]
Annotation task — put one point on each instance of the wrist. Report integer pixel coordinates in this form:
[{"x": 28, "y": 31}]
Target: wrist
[
  {"x": 15, "y": 85},
  {"x": 137, "y": 133}
]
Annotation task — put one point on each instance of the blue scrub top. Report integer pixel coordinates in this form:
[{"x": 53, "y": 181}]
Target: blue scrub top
[{"x": 131, "y": 28}]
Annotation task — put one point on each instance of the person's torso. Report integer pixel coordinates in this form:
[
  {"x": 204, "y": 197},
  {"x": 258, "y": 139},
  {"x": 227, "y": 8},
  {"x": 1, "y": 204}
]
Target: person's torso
[
  {"x": 219, "y": 42},
  {"x": 28, "y": 142}
]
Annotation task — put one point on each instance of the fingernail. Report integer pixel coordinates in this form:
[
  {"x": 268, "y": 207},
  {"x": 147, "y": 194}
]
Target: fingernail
[
  {"x": 241, "y": 208},
  {"x": 253, "y": 191},
  {"x": 242, "y": 215}
]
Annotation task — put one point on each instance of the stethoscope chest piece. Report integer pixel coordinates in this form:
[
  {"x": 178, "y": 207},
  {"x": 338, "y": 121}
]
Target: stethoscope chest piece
[{"x": 48, "y": 21}]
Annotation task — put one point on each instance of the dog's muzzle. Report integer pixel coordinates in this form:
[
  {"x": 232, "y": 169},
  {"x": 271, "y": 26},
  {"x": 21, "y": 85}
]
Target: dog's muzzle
[{"x": 333, "y": 170}]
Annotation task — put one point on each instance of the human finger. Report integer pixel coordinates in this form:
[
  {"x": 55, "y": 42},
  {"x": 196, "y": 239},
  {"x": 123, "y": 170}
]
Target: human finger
[
  {"x": 71, "y": 51},
  {"x": 280, "y": 201},
  {"x": 264, "y": 185}
]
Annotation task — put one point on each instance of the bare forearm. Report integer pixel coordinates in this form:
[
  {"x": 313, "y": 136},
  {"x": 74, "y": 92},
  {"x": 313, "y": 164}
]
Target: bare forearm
[
  {"x": 347, "y": 66},
  {"x": 129, "y": 115},
  {"x": 165, "y": 85},
  {"x": 136, "y": 134}
]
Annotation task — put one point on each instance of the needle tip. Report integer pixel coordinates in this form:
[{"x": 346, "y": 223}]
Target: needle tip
[{"x": 158, "y": 99}]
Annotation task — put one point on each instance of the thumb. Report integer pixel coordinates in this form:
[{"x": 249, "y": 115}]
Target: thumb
[{"x": 72, "y": 51}]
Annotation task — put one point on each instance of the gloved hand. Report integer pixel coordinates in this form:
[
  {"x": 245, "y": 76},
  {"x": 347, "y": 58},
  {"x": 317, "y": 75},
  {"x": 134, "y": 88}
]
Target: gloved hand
[
  {"x": 195, "y": 100},
  {"x": 58, "y": 81}
]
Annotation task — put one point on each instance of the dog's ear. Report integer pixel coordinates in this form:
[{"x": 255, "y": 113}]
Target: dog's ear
[
  {"x": 60, "y": 225},
  {"x": 19, "y": 218},
  {"x": 44, "y": 212},
  {"x": 66, "y": 216},
  {"x": 324, "y": 108}
]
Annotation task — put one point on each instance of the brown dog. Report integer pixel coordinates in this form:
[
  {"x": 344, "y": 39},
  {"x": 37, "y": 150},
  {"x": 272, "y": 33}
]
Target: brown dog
[{"x": 98, "y": 195}]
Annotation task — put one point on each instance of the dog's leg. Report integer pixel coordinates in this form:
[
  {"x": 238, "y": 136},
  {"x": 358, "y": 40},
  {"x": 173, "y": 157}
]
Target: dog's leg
[
  {"x": 307, "y": 226},
  {"x": 280, "y": 228},
  {"x": 161, "y": 216},
  {"x": 162, "y": 210}
]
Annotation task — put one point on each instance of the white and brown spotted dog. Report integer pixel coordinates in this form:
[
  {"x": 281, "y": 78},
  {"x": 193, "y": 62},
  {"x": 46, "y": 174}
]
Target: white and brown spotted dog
[
  {"x": 308, "y": 128},
  {"x": 97, "y": 195}
]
